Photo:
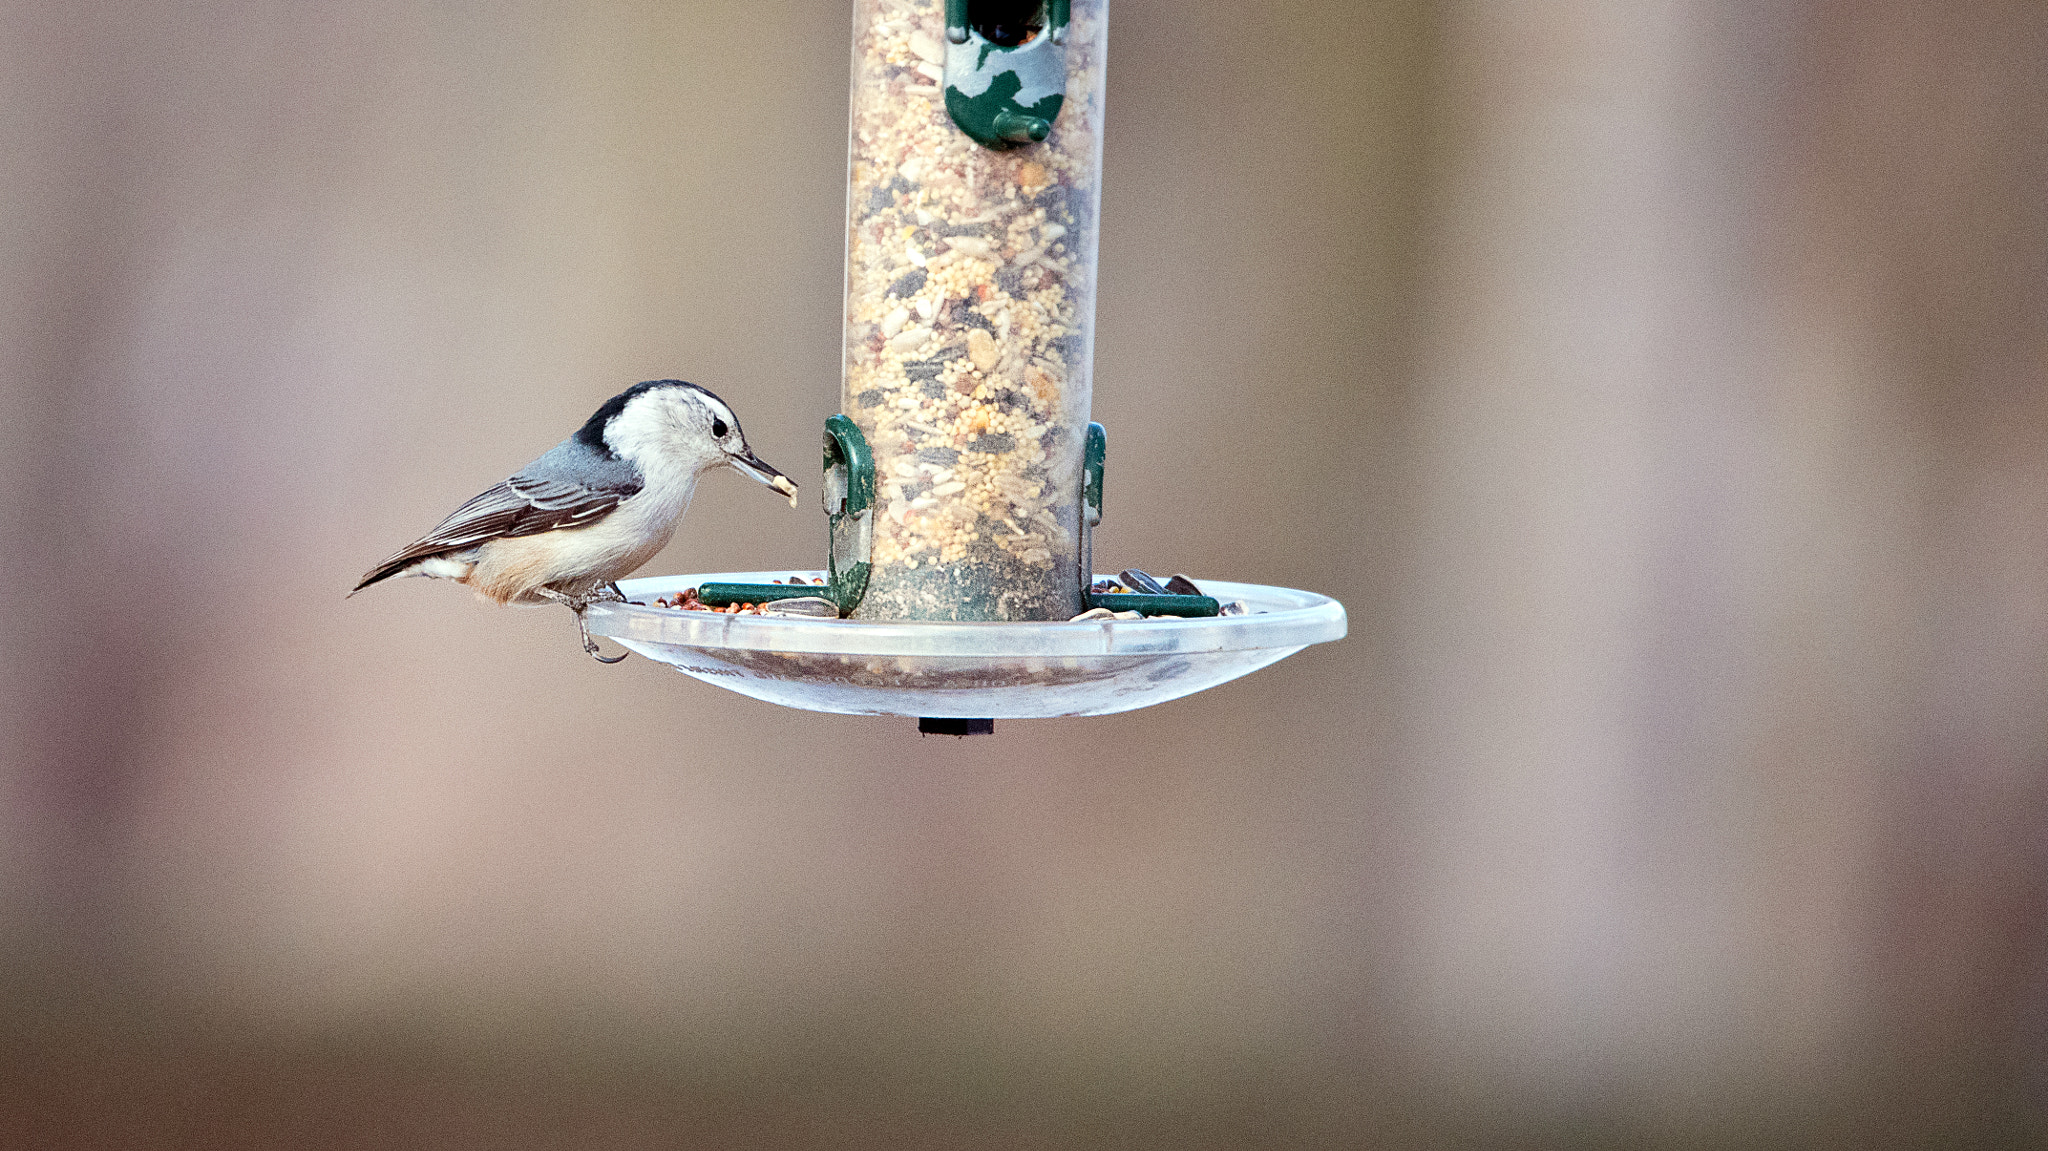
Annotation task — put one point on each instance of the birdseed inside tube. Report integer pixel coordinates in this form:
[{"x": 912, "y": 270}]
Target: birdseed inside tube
[{"x": 970, "y": 307}]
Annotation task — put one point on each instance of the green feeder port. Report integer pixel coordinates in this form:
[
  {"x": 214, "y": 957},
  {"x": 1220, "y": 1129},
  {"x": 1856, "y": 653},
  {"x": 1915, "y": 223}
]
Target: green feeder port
[{"x": 1006, "y": 69}]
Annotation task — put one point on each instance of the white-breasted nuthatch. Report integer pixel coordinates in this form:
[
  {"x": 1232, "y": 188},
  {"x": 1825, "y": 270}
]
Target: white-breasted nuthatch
[{"x": 596, "y": 506}]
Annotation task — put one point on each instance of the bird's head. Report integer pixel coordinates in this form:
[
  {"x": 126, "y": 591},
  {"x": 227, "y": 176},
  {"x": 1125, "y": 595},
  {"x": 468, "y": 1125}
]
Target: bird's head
[{"x": 670, "y": 424}]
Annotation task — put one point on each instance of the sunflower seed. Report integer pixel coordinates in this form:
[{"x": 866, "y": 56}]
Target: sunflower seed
[
  {"x": 1139, "y": 581},
  {"x": 809, "y": 606}
]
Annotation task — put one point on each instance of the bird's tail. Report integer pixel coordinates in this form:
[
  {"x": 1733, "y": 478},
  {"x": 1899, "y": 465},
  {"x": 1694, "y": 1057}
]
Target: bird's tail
[
  {"x": 444, "y": 565},
  {"x": 375, "y": 575}
]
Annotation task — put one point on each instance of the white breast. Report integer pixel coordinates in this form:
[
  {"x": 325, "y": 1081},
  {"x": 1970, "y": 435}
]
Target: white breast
[{"x": 578, "y": 560}]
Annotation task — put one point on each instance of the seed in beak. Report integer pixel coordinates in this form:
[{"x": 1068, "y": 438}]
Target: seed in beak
[{"x": 786, "y": 486}]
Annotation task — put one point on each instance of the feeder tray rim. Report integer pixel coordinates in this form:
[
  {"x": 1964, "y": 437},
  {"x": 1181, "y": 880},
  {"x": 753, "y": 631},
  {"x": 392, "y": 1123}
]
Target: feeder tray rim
[{"x": 1280, "y": 617}]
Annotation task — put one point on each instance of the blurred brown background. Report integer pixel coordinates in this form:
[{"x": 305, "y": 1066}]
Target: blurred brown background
[{"x": 1660, "y": 385}]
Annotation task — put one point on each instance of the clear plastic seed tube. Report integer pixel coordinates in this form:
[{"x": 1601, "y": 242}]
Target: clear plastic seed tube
[{"x": 970, "y": 310}]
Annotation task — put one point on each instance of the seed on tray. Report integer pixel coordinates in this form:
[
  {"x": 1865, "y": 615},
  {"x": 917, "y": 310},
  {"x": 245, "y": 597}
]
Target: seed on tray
[
  {"x": 1139, "y": 581},
  {"x": 685, "y": 600},
  {"x": 810, "y": 606}
]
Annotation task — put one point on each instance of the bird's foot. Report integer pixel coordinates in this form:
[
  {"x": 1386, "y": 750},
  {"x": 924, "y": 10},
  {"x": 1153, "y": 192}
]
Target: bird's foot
[
  {"x": 579, "y": 604},
  {"x": 590, "y": 645}
]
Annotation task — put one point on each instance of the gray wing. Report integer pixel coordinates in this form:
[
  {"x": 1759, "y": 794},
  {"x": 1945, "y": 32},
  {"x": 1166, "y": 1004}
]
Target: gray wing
[{"x": 569, "y": 487}]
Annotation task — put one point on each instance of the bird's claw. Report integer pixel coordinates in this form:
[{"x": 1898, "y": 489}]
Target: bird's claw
[
  {"x": 590, "y": 645},
  {"x": 581, "y": 604}
]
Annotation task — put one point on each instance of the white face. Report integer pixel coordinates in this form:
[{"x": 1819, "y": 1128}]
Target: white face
[
  {"x": 675, "y": 427},
  {"x": 685, "y": 428}
]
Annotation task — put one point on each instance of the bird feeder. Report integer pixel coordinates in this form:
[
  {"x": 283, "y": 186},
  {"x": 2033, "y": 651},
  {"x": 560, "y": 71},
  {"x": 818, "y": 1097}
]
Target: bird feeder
[
  {"x": 970, "y": 301},
  {"x": 963, "y": 477}
]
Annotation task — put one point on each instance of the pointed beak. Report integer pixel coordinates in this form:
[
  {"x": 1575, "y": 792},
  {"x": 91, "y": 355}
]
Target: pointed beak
[{"x": 747, "y": 463}]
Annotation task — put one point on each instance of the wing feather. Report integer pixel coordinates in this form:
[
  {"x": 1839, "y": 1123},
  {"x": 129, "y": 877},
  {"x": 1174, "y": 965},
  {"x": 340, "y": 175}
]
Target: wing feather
[{"x": 524, "y": 505}]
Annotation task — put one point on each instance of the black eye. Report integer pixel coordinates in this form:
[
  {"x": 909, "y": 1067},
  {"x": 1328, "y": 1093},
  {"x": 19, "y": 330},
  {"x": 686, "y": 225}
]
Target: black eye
[{"x": 717, "y": 429}]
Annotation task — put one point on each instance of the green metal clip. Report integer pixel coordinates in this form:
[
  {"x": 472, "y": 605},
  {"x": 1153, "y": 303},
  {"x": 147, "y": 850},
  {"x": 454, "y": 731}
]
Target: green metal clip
[
  {"x": 1188, "y": 605},
  {"x": 849, "y": 511},
  {"x": 1006, "y": 68},
  {"x": 1095, "y": 449},
  {"x": 1094, "y": 455}
]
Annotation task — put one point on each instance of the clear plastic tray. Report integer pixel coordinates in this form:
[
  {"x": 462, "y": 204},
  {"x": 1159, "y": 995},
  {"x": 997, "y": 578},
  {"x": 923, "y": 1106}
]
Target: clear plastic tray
[{"x": 966, "y": 670}]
